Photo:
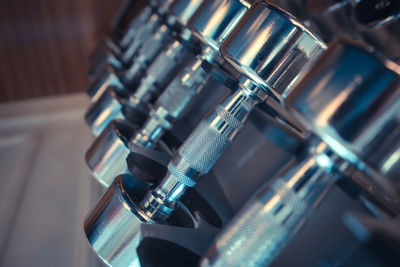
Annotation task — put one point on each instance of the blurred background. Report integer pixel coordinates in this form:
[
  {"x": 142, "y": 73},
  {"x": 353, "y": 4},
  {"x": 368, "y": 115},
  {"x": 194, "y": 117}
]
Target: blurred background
[
  {"x": 45, "y": 44},
  {"x": 46, "y": 189}
]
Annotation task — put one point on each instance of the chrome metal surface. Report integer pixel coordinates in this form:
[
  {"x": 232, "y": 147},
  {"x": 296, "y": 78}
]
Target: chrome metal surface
[
  {"x": 224, "y": 99},
  {"x": 280, "y": 209},
  {"x": 183, "y": 89},
  {"x": 272, "y": 48},
  {"x": 272, "y": 216},
  {"x": 214, "y": 20},
  {"x": 207, "y": 143},
  {"x": 348, "y": 76},
  {"x": 104, "y": 157},
  {"x": 113, "y": 227},
  {"x": 106, "y": 109}
]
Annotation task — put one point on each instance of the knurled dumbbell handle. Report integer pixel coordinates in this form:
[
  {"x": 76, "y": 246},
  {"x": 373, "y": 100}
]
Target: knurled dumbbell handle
[{"x": 263, "y": 227}]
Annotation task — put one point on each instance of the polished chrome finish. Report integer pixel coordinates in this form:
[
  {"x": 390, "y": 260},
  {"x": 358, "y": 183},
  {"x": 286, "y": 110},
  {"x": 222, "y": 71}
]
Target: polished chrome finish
[
  {"x": 158, "y": 76},
  {"x": 212, "y": 23},
  {"x": 117, "y": 225},
  {"x": 106, "y": 79},
  {"x": 173, "y": 103},
  {"x": 182, "y": 11},
  {"x": 207, "y": 143},
  {"x": 350, "y": 77},
  {"x": 160, "y": 58},
  {"x": 106, "y": 109},
  {"x": 179, "y": 12},
  {"x": 113, "y": 227},
  {"x": 141, "y": 31},
  {"x": 345, "y": 76},
  {"x": 272, "y": 216},
  {"x": 104, "y": 155},
  {"x": 272, "y": 48},
  {"x": 182, "y": 89},
  {"x": 215, "y": 20}
]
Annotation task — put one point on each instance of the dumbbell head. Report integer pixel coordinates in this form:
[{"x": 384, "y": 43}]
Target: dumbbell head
[
  {"x": 106, "y": 165},
  {"x": 108, "y": 104},
  {"x": 112, "y": 105},
  {"x": 181, "y": 11},
  {"x": 114, "y": 227},
  {"x": 271, "y": 48},
  {"x": 107, "y": 156},
  {"x": 214, "y": 20},
  {"x": 350, "y": 99},
  {"x": 176, "y": 14}
]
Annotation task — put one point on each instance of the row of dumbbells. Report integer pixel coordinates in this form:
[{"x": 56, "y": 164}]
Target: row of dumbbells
[{"x": 172, "y": 92}]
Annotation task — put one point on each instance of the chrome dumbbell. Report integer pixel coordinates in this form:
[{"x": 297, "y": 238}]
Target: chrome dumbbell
[
  {"x": 282, "y": 50},
  {"x": 346, "y": 141},
  {"x": 153, "y": 36},
  {"x": 114, "y": 50},
  {"x": 116, "y": 232},
  {"x": 176, "y": 98},
  {"x": 166, "y": 58}
]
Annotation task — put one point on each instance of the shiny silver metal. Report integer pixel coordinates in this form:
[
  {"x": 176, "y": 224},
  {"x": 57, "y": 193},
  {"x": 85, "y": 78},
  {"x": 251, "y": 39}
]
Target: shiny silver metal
[
  {"x": 108, "y": 107},
  {"x": 117, "y": 226},
  {"x": 272, "y": 50},
  {"x": 106, "y": 165},
  {"x": 364, "y": 136},
  {"x": 262, "y": 228},
  {"x": 113, "y": 227},
  {"x": 183, "y": 89},
  {"x": 160, "y": 62},
  {"x": 108, "y": 78},
  {"x": 139, "y": 30},
  {"x": 144, "y": 50},
  {"x": 211, "y": 24},
  {"x": 344, "y": 77}
]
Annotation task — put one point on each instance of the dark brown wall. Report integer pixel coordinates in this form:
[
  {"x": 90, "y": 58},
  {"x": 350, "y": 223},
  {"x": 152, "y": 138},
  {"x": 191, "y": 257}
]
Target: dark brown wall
[{"x": 45, "y": 44}]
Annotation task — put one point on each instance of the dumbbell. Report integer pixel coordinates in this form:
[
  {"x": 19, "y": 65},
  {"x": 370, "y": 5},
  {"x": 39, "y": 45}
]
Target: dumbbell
[
  {"x": 112, "y": 146},
  {"x": 156, "y": 34},
  {"x": 129, "y": 17},
  {"x": 166, "y": 59},
  {"x": 272, "y": 50},
  {"x": 282, "y": 49},
  {"x": 349, "y": 100},
  {"x": 112, "y": 50}
]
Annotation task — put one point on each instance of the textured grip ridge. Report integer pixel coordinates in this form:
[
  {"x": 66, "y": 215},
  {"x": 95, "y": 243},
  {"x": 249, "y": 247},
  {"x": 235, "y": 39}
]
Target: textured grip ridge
[
  {"x": 227, "y": 117},
  {"x": 180, "y": 177},
  {"x": 261, "y": 230},
  {"x": 203, "y": 147}
]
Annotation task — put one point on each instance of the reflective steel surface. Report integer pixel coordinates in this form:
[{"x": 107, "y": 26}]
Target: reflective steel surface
[
  {"x": 347, "y": 77},
  {"x": 272, "y": 48},
  {"x": 110, "y": 149}
]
